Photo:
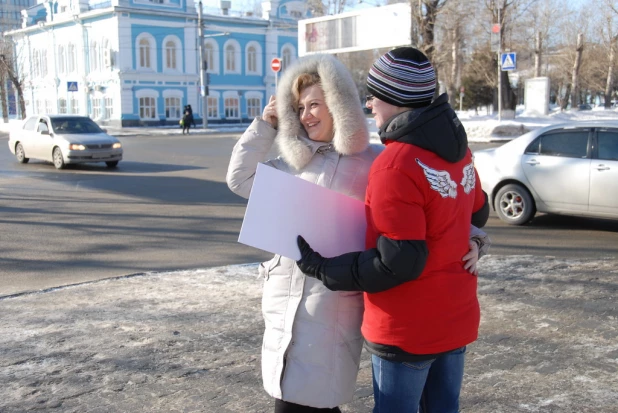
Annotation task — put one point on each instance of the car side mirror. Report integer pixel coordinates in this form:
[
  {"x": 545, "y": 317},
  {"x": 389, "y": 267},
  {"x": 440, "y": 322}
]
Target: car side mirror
[{"x": 104, "y": 130}]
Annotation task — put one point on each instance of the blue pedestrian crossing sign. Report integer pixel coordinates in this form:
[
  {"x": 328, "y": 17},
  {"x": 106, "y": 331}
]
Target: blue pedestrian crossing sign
[
  {"x": 72, "y": 86},
  {"x": 509, "y": 61}
]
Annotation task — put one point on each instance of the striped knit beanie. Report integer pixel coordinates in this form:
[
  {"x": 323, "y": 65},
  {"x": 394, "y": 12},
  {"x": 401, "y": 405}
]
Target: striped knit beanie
[{"x": 403, "y": 77}]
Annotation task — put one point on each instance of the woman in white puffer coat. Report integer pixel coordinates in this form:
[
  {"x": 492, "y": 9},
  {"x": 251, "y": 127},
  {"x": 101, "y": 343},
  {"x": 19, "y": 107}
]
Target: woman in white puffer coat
[{"x": 312, "y": 340}]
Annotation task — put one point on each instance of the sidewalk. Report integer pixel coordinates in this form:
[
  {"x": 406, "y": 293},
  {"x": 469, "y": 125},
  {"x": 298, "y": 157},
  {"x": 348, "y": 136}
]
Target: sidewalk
[{"x": 190, "y": 341}]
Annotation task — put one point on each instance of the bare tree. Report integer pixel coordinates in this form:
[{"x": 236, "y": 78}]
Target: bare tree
[
  {"x": 9, "y": 64},
  {"x": 575, "y": 76},
  {"x": 538, "y": 52},
  {"x": 452, "y": 35},
  {"x": 327, "y": 7}
]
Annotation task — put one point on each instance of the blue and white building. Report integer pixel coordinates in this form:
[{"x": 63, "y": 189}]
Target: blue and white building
[{"x": 135, "y": 62}]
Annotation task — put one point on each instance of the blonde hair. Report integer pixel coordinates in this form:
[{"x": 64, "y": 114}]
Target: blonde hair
[{"x": 301, "y": 83}]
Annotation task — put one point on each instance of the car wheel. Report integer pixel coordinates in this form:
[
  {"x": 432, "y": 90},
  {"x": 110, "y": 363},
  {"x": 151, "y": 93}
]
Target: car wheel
[
  {"x": 20, "y": 154},
  {"x": 58, "y": 159},
  {"x": 111, "y": 164},
  {"x": 514, "y": 204}
]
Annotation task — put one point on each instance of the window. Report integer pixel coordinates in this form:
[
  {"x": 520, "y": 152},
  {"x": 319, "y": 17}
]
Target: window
[
  {"x": 37, "y": 106},
  {"x": 95, "y": 57},
  {"x": 43, "y": 63},
  {"x": 36, "y": 66},
  {"x": 568, "y": 144},
  {"x": 109, "y": 107},
  {"x": 146, "y": 53},
  {"x": 231, "y": 108},
  {"x": 211, "y": 56},
  {"x": 254, "y": 106},
  {"x": 31, "y": 123},
  {"x": 71, "y": 59},
  {"x": 251, "y": 59},
  {"x": 608, "y": 145},
  {"x": 49, "y": 108},
  {"x": 61, "y": 60},
  {"x": 170, "y": 54},
  {"x": 74, "y": 108},
  {"x": 62, "y": 105},
  {"x": 172, "y": 108},
  {"x": 232, "y": 57},
  {"x": 213, "y": 107},
  {"x": 286, "y": 55},
  {"x": 42, "y": 127},
  {"x": 147, "y": 107},
  {"x": 230, "y": 61},
  {"x": 96, "y": 108}
]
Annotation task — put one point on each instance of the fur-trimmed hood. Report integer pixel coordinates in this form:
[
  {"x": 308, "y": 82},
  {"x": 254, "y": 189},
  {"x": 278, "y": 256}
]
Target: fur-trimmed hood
[{"x": 351, "y": 134}]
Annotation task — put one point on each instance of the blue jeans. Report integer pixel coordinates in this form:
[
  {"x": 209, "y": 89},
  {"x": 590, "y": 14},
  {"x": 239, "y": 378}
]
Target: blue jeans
[{"x": 430, "y": 386}]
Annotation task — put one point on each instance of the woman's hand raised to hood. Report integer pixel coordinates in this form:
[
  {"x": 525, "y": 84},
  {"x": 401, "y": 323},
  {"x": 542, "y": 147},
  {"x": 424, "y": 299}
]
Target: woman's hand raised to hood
[{"x": 270, "y": 112}]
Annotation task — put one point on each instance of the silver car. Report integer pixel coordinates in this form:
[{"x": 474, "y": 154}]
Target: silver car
[
  {"x": 569, "y": 168},
  {"x": 64, "y": 139}
]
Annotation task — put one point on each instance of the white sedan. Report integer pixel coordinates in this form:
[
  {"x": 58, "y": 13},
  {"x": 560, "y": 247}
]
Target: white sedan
[
  {"x": 569, "y": 169},
  {"x": 64, "y": 139}
]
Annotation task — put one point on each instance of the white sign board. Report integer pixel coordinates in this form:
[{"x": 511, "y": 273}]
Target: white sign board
[
  {"x": 536, "y": 96},
  {"x": 282, "y": 206},
  {"x": 366, "y": 29}
]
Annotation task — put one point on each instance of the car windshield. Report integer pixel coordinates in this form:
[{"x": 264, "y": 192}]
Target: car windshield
[{"x": 69, "y": 125}]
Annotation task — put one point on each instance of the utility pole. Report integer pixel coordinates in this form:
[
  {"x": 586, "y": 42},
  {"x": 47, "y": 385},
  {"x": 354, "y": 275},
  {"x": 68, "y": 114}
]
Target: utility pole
[{"x": 203, "y": 66}]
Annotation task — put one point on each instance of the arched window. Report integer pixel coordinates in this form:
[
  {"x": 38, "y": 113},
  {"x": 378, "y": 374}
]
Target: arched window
[
  {"x": 288, "y": 55},
  {"x": 230, "y": 61},
  {"x": 36, "y": 65},
  {"x": 146, "y": 56},
  {"x": 232, "y": 57},
  {"x": 172, "y": 53},
  {"x": 211, "y": 55},
  {"x": 43, "y": 63},
  {"x": 144, "y": 53},
  {"x": 253, "y": 59},
  {"x": 71, "y": 58},
  {"x": 106, "y": 59},
  {"x": 61, "y": 63},
  {"x": 95, "y": 57}
]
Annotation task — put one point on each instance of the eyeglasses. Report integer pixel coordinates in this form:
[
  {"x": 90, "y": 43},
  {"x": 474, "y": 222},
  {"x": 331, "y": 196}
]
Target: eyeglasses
[{"x": 369, "y": 98}]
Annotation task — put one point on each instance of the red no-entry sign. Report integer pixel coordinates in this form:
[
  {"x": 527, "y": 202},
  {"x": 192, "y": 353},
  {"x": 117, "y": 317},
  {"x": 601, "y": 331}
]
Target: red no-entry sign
[{"x": 275, "y": 64}]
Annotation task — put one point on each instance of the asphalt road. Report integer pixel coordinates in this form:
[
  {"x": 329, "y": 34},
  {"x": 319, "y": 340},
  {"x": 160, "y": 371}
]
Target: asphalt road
[{"x": 167, "y": 207}]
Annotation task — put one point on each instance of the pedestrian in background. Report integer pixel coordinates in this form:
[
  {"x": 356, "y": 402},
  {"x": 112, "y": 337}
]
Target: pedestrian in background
[
  {"x": 312, "y": 341},
  {"x": 421, "y": 306},
  {"x": 187, "y": 119}
]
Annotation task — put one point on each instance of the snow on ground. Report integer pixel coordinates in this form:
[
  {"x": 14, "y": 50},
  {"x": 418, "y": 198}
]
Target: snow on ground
[{"x": 190, "y": 341}]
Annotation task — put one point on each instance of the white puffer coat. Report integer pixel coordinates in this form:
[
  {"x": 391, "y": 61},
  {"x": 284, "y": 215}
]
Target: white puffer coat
[{"x": 312, "y": 343}]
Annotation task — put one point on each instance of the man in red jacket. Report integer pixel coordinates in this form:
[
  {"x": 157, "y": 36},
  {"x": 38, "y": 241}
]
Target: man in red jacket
[{"x": 421, "y": 307}]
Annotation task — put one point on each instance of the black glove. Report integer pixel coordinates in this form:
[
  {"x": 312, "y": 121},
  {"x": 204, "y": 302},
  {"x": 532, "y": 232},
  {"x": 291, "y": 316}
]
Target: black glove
[{"x": 310, "y": 262}]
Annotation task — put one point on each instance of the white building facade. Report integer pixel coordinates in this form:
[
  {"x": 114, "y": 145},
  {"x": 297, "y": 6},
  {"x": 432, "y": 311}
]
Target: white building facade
[{"x": 135, "y": 62}]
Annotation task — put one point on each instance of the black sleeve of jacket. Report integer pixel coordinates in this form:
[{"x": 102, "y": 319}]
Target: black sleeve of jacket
[
  {"x": 390, "y": 264},
  {"x": 480, "y": 217}
]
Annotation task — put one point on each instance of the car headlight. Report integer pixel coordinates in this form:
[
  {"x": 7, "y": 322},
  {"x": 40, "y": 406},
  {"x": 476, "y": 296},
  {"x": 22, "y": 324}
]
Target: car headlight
[
  {"x": 117, "y": 145},
  {"x": 76, "y": 147}
]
